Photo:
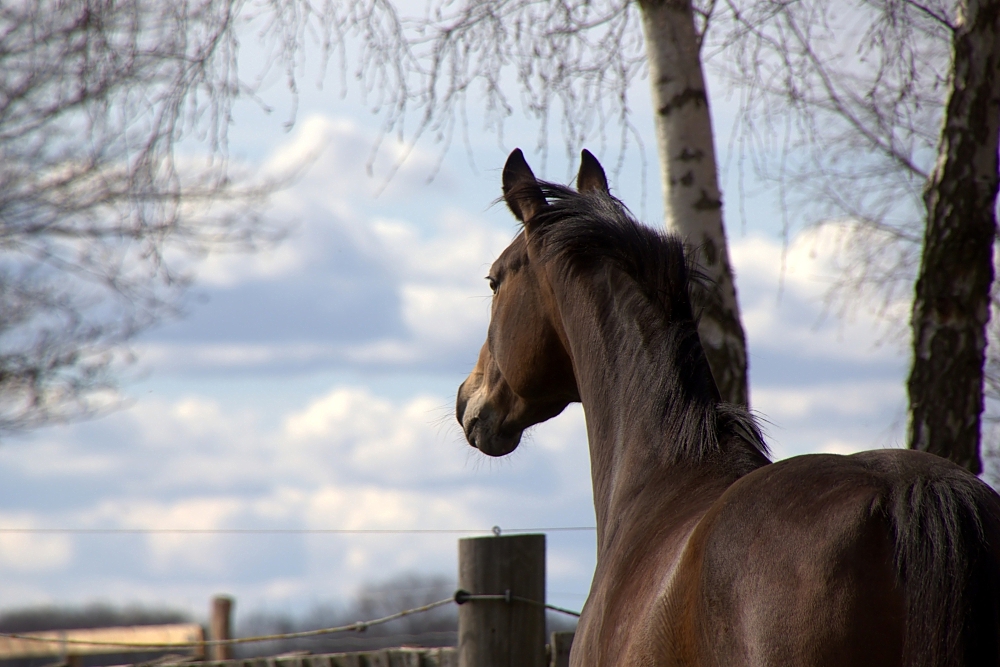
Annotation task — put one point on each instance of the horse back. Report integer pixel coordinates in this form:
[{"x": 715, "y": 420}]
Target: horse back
[{"x": 882, "y": 558}]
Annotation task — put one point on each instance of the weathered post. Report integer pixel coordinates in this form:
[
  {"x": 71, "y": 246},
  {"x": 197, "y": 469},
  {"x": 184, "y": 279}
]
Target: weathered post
[
  {"x": 497, "y": 632},
  {"x": 220, "y": 627}
]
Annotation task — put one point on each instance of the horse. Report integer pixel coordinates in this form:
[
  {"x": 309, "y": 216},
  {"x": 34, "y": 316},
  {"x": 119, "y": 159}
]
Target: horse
[{"x": 709, "y": 553}]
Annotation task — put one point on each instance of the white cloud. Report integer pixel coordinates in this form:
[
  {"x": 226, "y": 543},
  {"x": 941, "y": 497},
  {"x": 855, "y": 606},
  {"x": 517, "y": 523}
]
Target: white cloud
[
  {"x": 59, "y": 459},
  {"x": 382, "y": 507},
  {"x": 234, "y": 355},
  {"x": 228, "y": 270},
  {"x": 396, "y": 443},
  {"x": 783, "y": 301},
  {"x": 424, "y": 271},
  {"x": 170, "y": 552},
  {"x": 348, "y": 458},
  {"x": 440, "y": 316},
  {"x": 839, "y": 417},
  {"x": 339, "y": 150},
  {"x": 459, "y": 247},
  {"x": 855, "y": 399},
  {"x": 565, "y": 435},
  {"x": 25, "y": 553}
]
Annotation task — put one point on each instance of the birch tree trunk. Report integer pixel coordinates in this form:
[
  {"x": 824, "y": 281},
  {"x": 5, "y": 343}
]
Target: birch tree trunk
[
  {"x": 692, "y": 202},
  {"x": 951, "y": 305}
]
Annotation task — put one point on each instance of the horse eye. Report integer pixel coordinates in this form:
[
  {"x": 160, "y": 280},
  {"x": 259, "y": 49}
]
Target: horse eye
[{"x": 493, "y": 284}]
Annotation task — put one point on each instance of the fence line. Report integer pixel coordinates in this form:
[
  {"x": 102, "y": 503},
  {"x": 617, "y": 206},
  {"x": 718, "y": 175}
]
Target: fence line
[
  {"x": 460, "y": 597},
  {"x": 359, "y": 626},
  {"x": 93, "y": 640},
  {"x": 507, "y": 574},
  {"x": 291, "y": 531}
]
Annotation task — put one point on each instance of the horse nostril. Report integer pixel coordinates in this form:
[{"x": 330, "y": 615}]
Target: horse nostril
[{"x": 469, "y": 428}]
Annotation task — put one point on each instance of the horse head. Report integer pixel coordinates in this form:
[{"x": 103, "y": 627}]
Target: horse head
[{"x": 524, "y": 374}]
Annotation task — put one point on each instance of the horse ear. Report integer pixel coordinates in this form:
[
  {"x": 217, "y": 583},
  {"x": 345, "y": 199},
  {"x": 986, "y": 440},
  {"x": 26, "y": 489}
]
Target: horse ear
[
  {"x": 591, "y": 177},
  {"x": 520, "y": 188}
]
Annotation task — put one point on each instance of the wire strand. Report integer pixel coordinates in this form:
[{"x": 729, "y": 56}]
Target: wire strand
[
  {"x": 461, "y": 597},
  {"x": 289, "y": 531},
  {"x": 360, "y": 626}
]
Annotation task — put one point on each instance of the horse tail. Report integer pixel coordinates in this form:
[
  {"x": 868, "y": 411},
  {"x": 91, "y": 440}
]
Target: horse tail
[{"x": 947, "y": 557}]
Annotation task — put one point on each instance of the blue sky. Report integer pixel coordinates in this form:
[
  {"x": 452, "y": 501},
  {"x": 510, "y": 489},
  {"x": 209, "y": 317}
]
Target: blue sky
[{"x": 312, "y": 385}]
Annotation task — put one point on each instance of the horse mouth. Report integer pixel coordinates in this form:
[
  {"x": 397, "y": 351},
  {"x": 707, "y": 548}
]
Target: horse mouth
[
  {"x": 489, "y": 441},
  {"x": 482, "y": 424},
  {"x": 484, "y": 434}
]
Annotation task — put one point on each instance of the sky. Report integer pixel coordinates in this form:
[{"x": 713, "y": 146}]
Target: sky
[{"x": 312, "y": 385}]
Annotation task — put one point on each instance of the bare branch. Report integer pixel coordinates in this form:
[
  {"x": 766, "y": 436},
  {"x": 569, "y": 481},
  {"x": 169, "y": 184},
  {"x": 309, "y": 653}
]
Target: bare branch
[
  {"x": 94, "y": 198},
  {"x": 859, "y": 92},
  {"x": 572, "y": 62},
  {"x": 937, "y": 16}
]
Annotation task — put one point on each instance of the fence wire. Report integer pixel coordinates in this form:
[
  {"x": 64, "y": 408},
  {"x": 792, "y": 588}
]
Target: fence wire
[
  {"x": 289, "y": 531},
  {"x": 460, "y": 597}
]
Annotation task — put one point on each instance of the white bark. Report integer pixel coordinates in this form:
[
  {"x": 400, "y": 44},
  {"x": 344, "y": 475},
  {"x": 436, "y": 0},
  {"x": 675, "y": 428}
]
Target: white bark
[{"x": 692, "y": 201}]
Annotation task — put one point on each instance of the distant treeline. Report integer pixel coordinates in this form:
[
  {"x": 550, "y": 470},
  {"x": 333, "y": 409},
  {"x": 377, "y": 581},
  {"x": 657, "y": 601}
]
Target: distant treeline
[
  {"x": 100, "y": 615},
  {"x": 438, "y": 627},
  {"x": 39, "y": 619}
]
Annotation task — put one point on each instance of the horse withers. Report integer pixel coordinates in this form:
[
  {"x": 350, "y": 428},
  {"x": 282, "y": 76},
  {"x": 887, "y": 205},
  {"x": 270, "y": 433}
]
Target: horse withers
[{"x": 708, "y": 553}]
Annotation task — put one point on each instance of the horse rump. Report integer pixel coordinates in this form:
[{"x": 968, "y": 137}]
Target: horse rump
[{"x": 947, "y": 556}]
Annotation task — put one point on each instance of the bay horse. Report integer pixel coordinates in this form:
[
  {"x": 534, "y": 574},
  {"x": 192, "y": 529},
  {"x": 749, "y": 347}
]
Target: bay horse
[{"x": 707, "y": 552}]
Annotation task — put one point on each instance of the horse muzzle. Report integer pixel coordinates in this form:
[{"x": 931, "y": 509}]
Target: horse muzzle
[{"x": 483, "y": 424}]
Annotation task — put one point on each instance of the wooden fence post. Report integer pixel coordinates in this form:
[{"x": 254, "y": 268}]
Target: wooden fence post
[
  {"x": 497, "y": 633},
  {"x": 221, "y": 627}
]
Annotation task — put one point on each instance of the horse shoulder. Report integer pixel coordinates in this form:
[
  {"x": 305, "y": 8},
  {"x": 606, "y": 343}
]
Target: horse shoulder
[{"x": 637, "y": 577}]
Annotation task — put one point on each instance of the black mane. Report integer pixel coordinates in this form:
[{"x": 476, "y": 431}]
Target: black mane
[
  {"x": 595, "y": 228},
  {"x": 591, "y": 231}
]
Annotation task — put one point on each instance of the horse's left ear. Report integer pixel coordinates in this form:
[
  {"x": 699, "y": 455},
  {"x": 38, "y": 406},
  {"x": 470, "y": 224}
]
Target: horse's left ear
[
  {"x": 591, "y": 177},
  {"x": 520, "y": 188}
]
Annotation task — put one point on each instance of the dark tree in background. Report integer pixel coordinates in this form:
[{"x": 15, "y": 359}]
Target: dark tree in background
[
  {"x": 437, "y": 627},
  {"x": 952, "y": 303},
  {"x": 102, "y": 216},
  {"x": 884, "y": 115}
]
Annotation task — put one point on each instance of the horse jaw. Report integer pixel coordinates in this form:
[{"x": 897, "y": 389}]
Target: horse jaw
[{"x": 482, "y": 423}]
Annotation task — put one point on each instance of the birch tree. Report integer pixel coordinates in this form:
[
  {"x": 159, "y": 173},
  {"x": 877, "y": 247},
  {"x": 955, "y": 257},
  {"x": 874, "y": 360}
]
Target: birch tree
[
  {"x": 951, "y": 307},
  {"x": 692, "y": 202},
  {"x": 888, "y": 112}
]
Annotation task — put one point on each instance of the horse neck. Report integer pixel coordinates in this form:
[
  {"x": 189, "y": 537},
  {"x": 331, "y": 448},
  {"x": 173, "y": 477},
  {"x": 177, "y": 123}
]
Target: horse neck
[{"x": 642, "y": 419}]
